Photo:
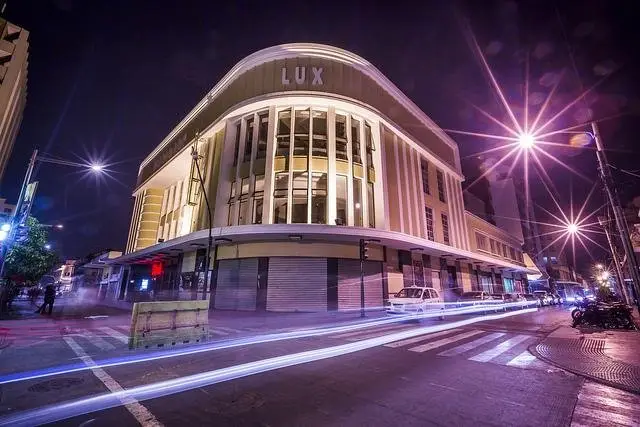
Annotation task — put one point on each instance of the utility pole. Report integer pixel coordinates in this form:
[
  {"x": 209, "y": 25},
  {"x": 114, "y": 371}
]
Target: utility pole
[
  {"x": 621, "y": 223},
  {"x": 195, "y": 156},
  {"x": 604, "y": 223}
]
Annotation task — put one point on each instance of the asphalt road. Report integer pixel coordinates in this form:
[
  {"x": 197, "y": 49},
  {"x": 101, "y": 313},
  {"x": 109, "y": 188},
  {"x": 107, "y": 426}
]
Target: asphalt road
[{"x": 477, "y": 374}]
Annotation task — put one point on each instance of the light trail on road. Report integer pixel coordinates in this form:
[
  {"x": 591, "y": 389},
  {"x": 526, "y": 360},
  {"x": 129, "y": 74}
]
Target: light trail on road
[
  {"x": 100, "y": 402},
  {"x": 467, "y": 308}
]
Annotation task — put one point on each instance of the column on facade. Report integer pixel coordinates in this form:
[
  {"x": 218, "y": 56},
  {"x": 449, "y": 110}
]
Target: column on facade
[{"x": 149, "y": 218}]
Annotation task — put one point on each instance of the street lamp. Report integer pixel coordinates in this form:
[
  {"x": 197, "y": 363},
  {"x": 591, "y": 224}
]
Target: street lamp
[
  {"x": 599, "y": 266},
  {"x": 526, "y": 140},
  {"x": 572, "y": 228},
  {"x": 47, "y": 246}
]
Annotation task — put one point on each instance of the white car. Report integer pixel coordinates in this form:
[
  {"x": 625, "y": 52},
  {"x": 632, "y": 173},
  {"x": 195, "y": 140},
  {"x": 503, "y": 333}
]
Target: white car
[{"x": 414, "y": 300}]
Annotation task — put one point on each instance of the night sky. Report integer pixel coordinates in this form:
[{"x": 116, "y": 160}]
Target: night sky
[{"x": 109, "y": 79}]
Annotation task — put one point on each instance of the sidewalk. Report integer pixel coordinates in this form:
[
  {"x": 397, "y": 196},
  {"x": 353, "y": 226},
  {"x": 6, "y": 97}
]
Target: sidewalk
[{"x": 606, "y": 356}]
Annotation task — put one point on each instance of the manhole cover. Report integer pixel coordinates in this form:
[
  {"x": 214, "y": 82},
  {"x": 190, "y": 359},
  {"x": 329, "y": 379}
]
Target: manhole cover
[{"x": 55, "y": 384}]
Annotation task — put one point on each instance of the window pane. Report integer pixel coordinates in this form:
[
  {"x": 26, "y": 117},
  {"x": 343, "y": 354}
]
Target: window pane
[
  {"x": 341, "y": 137},
  {"x": 243, "y": 215},
  {"x": 441, "y": 191},
  {"x": 341, "y": 200},
  {"x": 319, "y": 198},
  {"x": 281, "y": 185},
  {"x": 248, "y": 141},
  {"x": 258, "y": 183},
  {"x": 230, "y": 215},
  {"x": 445, "y": 229},
  {"x": 481, "y": 241},
  {"x": 301, "y": 133},
  {"x": 244, "y": 187},
  {"x": 299, "y": 207},
  {"x": 369, "y": 144},
  {"x": 233, "y": 189},
  {"x": 283, "y": 136},
  {"x": 424, "y": 167},
  {"x": 357, "y": 202},
  {"x": 371, "y": 205},
  {"x": 237, "y": 145},
  {"x": 263, "y": 118},
  {"x": 428, "y": 212},
  {"x": 355, "y": 140},
  {"x": 319, "y": 134},
  {"x": 257, "y": 210}
]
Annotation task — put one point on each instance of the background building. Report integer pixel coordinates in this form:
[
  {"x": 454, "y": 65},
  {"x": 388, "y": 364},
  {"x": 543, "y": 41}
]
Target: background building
[
  {"x": 6, "y": 211},
  {"x": 306, "y": 149},
  {"x": 14, "y": 53}
]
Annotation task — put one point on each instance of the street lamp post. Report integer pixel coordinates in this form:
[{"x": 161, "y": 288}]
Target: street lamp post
[
  {"x": 364, "y": 248},
  {"x": 195, "y": 156},
  {"x": 614, "y": 254}
]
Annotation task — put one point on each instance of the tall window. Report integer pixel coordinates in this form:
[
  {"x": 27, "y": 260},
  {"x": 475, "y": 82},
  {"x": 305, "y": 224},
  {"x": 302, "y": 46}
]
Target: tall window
[
  {"x": 319, "y": 198},
  {"x": 283, "y": 137},
  {"x": 248, "y": 141},
  {"x": 371, "y": 211},
  {"x": 424, "y": 169},
  {"x": 355, "y": 141},
  {"x": 512, "y": 253},
  {"x": 263, "y": 128},
  {"x": 441, "y": 191},
  {"x": 258, "y": 199},
  {"x": 301, "y": 133},
  {"x": 504, "y": 251},
  {"x": 243, "y": 214},
  {"x": 232, "y": 199},
  {"x": 319, "y": 134},
  {"x": 300, "y": 203},
  {"x": 236, "y": 145},
  {"x": 281, "y": 186},
  {"x": 481, "y": 241},
  {"x": 357, "y": 202},
  {"x": 428, "y": 213},
  {"x": 445, "y": 229},
  {"x": 341, "y": 137},
  {"x": 369, "y": 144},
  {"x": 341, "y": 200},
  {"x": 492, "y": 243}
]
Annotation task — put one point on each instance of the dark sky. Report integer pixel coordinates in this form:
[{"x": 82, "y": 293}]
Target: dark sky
[{"x": 109, "y": 79}]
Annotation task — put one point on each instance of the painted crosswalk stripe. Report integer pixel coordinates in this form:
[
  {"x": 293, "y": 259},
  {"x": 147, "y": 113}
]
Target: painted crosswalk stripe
[
  {"x": 496, "y": 351},
  {"x": 602, "y": 405},
  {"x": 439, "y": 343},
  {"x": 97, "y": 341},
  {"x": 365, "y": 331},
  {"x": 522, "y": 360},
  {"x": 378, "y": 333},
  {"x": 471, "y": 345},
  {"x": 115, "y": 334},
  {"x": 123, "y": 328},
  {"x": 420, "y": 338}
]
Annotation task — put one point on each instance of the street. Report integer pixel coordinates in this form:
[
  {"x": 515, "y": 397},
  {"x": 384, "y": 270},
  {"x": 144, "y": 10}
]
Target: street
[{"x": 478, "y": 374}]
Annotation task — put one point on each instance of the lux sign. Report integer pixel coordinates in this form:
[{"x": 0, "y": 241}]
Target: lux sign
[{"x": 300, "y": 76}]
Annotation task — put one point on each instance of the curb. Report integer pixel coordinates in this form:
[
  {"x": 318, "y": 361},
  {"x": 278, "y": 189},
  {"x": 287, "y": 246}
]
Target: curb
[{"x": 533, "y": 350}]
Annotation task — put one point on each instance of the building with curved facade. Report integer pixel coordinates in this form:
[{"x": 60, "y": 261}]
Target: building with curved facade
[{"x": 305, "y": 149}]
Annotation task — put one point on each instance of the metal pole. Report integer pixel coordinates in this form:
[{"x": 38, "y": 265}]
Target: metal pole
[
  {"x": 619, "y": 275},
  {"x": 194, "y": 155},
  {"x": 361, "y": 279},
  {"x": 621, "y": 224},
  {"x": 15, "y": 219}
]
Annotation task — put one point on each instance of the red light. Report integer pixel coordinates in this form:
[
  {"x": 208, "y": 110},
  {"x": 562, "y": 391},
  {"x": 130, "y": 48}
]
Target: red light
[{"x": 156, "y": 269}]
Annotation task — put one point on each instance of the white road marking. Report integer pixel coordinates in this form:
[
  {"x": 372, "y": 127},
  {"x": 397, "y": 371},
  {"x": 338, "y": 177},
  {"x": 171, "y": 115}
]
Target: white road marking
[
  {"x": 522, "y": 360},
  {"x": 444, "y": 341},
  {"x": 115, "y": 334},
  {"x": 602, "y": 405},
  {"x": 471, "y": 345},
  {"x": 97, "y": 341},
  {"x": 126, "y": 329},
  {"x": 364, "y": 331},
  {"x": 139, "y": 412},
  {"x": 499, "y": 349},
  {"x": 421, "y": 338}
]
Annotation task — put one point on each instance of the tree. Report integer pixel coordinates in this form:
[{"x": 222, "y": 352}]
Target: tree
[{"x": 28, "y": 259}]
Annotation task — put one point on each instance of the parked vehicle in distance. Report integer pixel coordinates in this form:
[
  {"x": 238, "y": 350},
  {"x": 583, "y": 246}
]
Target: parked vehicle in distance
[
  {"x": 414, "y": 300},
  {"x": 557, "y": 298},
  {"x": 530, "y": 298},
  {"x": 544, "y": 297},
  {"x": 475, "y": 296}
]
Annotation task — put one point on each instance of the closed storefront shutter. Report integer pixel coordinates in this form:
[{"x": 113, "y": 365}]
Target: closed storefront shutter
[
  {"x": 349, "y": 284},
  {"x": 237, "y": 284},
  {"x": 297, "y": 284}
]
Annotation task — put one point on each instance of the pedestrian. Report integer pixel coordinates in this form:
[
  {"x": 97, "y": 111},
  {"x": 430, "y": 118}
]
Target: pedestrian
[{"x": 49, "y": 298}]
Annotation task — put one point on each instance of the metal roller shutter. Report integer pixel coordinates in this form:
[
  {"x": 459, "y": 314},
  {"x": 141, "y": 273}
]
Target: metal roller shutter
[
  {"x": 297, "y": 284},
  {"x": 349, "y": 284},
  {"x": 237, "y": 284}
]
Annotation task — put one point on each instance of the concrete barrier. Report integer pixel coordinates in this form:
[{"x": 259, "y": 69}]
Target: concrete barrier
[{"x": 160, "y": 323}]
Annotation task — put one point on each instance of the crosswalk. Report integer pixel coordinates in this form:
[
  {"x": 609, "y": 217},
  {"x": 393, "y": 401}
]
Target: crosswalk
[
  {"x": 477, "y": 345},
  {"x": 599, "y": 405}
]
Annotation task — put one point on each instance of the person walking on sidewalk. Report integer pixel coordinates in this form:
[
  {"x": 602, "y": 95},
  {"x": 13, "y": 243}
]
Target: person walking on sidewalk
[{"x": 49, "y": 298}]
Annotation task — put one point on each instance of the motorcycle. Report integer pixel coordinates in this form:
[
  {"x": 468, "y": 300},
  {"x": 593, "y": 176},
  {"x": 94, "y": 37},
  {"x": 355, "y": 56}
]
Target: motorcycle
[{"x": 604, "y": 315}]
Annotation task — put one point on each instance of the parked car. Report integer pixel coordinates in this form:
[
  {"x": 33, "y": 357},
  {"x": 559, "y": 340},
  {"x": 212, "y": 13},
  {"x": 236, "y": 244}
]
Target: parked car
[
  {"x": 531, "y": 298},
  {"x": 558, "y": 299},
  {"x": 544, "y": 297},
  {"x": 475, "y": 296},
  {"x": 414, "y": 300},
  {"x": 502, "y": 299}
]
